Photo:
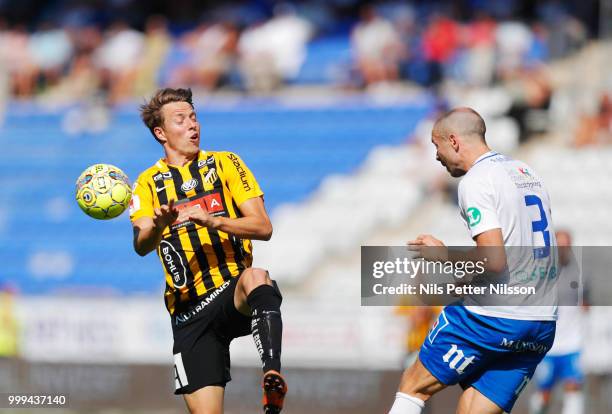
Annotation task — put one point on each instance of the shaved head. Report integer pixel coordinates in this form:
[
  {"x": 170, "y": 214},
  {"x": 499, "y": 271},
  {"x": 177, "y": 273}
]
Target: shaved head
[
  {"x": 463, "y": 122},
  {"x": 459, "y": 138}
]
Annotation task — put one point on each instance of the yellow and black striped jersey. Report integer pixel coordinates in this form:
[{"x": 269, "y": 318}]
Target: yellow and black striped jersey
[
  {"x": 196, "y": 259},
  {"x": 421, "y": 318}
]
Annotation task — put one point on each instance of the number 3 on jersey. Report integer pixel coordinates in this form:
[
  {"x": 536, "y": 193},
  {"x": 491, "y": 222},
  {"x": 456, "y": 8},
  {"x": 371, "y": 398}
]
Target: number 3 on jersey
[{"x": 539, "y": 226}]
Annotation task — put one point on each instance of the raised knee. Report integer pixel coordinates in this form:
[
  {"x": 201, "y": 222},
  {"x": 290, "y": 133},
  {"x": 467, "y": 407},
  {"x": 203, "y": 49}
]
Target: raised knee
[{"x": 255, "y": 276}]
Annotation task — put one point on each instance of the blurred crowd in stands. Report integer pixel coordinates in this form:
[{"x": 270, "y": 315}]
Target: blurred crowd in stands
[
  {"x": 113, "y": 51},
  {"x": 71, "y": 49}
]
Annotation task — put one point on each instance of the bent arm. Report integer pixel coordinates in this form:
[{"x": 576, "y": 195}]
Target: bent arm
[
  {"x": 147, "y": 235},
  {"x": 489, "y": 248},
  {"x": 254, "y": 223}
]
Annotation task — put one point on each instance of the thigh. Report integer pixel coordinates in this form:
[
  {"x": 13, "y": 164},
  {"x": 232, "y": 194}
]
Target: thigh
[
  {"x": 201, "y": 358},
  {"x": 569, "y": 368},
  {"x": 473, "y": 402},
  {"x": 452, "y": 351},
  {"x": 505, "y": 379},
  {"x": 207, "y": 400},
  {"x": 230, "y": 323}
]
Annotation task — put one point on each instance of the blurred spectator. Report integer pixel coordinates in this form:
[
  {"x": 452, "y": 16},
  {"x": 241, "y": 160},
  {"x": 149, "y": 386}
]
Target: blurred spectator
[
  {"x": 514, "y": 40},
  {"x": 273, "y": 52},
  {"x": 479, "y": 40},
  {"x": 156, "y": 45},
  {"x": 377, "y": 47},
  {"x": 211, "y": 51},
  {"x": 440, "y": 43},
  {"x": 118, "y": 58},
  {"x": 20, "y": 65},
  {"x": 50, "y": 48},
  {"x": 596, "y": 129},
  {"x": 81, "y": 83}
]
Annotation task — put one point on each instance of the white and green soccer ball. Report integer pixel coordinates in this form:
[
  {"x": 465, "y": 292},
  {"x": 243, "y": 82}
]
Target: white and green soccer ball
[{"x": 103, "y": 191}]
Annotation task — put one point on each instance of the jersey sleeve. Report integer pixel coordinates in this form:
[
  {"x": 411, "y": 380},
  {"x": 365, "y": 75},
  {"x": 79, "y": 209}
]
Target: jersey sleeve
[
  {"x": 141, "y": 204},
  {"x": 477, "y": 204},
  {"x": 240, "y": 180}
]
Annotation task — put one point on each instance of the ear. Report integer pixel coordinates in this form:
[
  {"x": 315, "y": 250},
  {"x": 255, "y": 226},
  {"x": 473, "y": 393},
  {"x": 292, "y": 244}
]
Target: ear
[
  {"x": 452, "y": 138},
  {"x": 160, "y": 134}
]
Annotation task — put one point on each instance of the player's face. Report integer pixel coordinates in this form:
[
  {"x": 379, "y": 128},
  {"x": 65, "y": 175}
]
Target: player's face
[
  {"x": 446, "y": 154},
  {"x": 180, "y": 128}
]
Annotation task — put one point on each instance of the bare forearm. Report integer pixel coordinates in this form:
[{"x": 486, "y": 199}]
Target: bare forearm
[
  {"x": 255, "y": 228},
  {"x": 146, "y": 240}
]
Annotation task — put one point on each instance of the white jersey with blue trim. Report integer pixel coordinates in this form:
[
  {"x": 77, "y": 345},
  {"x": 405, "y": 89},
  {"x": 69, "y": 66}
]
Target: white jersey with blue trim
[{"x": 500, "y": 192}]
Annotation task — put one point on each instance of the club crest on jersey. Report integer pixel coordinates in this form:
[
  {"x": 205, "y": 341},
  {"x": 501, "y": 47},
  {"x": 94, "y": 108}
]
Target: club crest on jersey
[
  {"x": 211, "y": 176},
  {"x": 189, "y": 185},
  {"x": 525, "y": 171}
]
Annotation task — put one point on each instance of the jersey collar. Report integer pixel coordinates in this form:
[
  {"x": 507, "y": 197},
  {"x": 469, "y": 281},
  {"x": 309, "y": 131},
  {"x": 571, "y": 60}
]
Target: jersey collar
[
  {"x": 484, "y": 156},
  {"x": 162, "y": 161}
]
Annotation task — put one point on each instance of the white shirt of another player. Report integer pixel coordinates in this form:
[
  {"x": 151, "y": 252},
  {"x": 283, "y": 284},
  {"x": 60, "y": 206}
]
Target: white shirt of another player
[
  {"x": 500, "y": 192},
  {"x": 571, "y": 319}
]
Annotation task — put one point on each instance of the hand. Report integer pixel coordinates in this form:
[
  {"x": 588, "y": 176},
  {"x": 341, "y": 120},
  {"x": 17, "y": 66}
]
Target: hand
[
  {"x": 165, "y": 215},
  {"x": 197, "y": 215},
  {"x": 429, "y": 248}
]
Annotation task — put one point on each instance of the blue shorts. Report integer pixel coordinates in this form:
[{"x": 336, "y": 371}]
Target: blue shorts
[
  {"x": 496, "y": 356},
  {"x": 556, "y": 368}
]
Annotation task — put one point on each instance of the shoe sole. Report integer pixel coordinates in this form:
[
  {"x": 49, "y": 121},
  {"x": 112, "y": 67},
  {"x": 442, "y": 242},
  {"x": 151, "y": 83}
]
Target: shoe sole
[{"x": 275, "y": 389}]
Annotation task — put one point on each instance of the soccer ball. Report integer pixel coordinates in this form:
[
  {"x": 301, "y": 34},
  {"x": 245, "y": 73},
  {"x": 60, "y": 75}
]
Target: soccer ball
[{"x": 103, "y": 191}]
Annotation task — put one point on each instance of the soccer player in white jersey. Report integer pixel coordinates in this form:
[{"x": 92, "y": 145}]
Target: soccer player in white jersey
[
  {"x": 490, "y": 350},
  {"x": 562, "y": 362}
]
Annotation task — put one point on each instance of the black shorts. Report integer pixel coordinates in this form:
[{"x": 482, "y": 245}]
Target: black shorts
[{"x": 201, "y": 343}]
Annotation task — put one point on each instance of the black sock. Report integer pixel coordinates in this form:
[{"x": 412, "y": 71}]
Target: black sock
[{"x": 267, "y": 325}]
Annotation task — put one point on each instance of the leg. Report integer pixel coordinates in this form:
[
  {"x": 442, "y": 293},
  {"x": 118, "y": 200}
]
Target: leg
[
  {"x": 250, "y": 279},
  {"x": 473, "y": 402},
  {"x": 539, "y": 401},
  {"x": 418, "y": 382},
  {"x": 256, "y": 295},
  {"x": 573, "y": 398},
  {"x": 545, "y": 378},
  {"x": 207, "y": 400},
  {"x": 416, "y": 386}
]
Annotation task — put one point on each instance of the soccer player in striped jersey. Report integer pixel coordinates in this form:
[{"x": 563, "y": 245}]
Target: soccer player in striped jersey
[
  {"x": 490, "y": 345},
  {"x": 199, "y": 210}
]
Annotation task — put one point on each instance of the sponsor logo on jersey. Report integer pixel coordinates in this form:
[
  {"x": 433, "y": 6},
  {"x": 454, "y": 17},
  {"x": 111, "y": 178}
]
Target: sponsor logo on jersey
[
  {"x": 241, "y": 172},
  {"x": 173, "y": 263},
  {"x": 181, "y": 318},
  {"x": 524, "y": 346},
  {"x": 208, "y": 161},
  {"x": 474, "y": 216},
  {"x": 457, "y": 360},
  {"x": 189, "y": 185},
  {"x": 162, "y": 176},
  {"x": 524, "y": 171},
  {"x": 213, "y": 203}
]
